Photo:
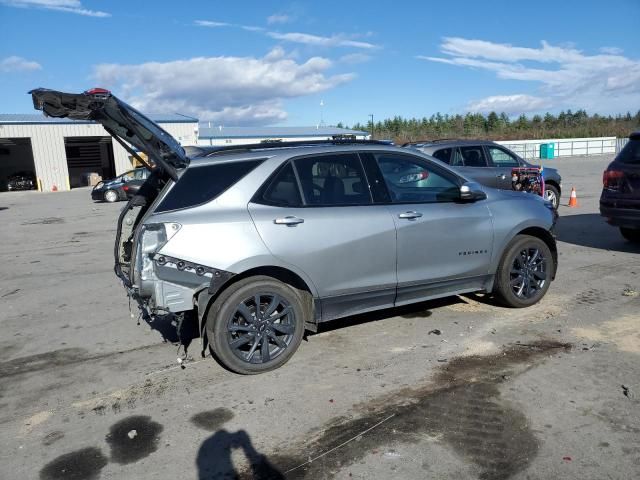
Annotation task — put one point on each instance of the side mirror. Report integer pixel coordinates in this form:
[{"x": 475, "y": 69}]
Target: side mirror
[{"x": 472, "y": 192}]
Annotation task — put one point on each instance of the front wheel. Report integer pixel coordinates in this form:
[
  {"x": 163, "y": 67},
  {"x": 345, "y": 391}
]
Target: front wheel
[
  {"x": 525, "y": 272},
  {"x": 110, "y": 196},
  {"x": 257, "y": 324},
  {"x": 552, "y": 194},
  {"x": 631, "y": 234}
]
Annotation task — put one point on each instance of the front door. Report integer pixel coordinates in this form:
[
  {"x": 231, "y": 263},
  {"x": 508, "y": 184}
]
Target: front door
[
  {"x": 317, "y": 215},
  {"x": 443, "y": 244},
  {"x": 503, "y": 163}
]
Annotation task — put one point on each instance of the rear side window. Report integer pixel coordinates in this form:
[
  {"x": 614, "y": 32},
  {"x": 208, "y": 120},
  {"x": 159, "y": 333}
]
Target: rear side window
[
  {"x": 283, "y": 190},
  {"x": 199, "y": 185},
  {"x": 443, "y": 155},
  {"x": 473, "y": 156},
  {"x": 630, "y": 153},
  {"x": 333, "y": 180}
]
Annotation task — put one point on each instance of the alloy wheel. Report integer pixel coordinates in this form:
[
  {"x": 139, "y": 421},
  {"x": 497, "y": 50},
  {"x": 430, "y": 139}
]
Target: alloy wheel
[
  {"x": 261, "y": 328},
  {"x": 528, "y": 273}
]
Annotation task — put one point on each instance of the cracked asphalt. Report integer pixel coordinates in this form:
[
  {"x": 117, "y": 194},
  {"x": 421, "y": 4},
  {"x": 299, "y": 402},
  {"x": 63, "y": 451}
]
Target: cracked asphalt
[{"x": 552, "y": 391}]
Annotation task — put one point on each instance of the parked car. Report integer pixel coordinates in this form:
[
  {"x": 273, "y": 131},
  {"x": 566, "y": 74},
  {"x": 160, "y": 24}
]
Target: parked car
[
  {"x": 22, "y": 181},
  {"x": 620, "y": 199},
  {"x": 122, "y": 187},
  {"x": 487, "y": 162},
  {"x": 260, "y": 242}
]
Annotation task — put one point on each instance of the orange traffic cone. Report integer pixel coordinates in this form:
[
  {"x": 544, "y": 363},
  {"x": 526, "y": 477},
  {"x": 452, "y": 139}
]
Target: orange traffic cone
[{"x": 573, "y": 199}]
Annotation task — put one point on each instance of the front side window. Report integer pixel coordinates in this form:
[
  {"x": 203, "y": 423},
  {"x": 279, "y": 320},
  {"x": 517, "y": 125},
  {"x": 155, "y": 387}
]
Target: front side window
[
  {"x": 472, "y": 156},
  {"x": 501, "y": 158},
  {"x": 410, "y": 180},
  {"x": 333, "y": 180}
]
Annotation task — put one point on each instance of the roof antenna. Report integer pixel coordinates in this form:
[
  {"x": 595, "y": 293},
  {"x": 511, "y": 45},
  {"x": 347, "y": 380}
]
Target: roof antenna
[{"x": 321, "y": 113}]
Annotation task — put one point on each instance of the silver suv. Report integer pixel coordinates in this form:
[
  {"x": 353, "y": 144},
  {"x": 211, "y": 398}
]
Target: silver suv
[{"x": 259, "y": 243}]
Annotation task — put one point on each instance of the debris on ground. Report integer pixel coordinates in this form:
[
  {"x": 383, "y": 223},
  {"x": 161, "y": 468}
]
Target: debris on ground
[
  {"x": 566, "y": 459},
  {"x": 132, "y": 434},
  {"x": 626, "y": 391},
  {"x": 629, "y": 292},
  {"x": 435, "y": 331},
  {"x": 442, "y": 360}
]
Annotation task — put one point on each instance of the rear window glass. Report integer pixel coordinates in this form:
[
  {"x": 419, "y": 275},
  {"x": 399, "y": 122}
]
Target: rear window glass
[
  {"x": 631, "y": 152},
  {"x": 199, "y": 185}
]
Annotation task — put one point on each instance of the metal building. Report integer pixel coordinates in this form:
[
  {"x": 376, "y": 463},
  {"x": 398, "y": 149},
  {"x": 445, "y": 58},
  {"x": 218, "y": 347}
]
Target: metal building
[
  {"x": 219, "y": 135},
  {"x": 62, "y": 152}
]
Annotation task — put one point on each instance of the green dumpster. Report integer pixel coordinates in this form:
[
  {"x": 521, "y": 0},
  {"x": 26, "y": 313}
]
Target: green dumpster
[{"x": 547, "y": 150}]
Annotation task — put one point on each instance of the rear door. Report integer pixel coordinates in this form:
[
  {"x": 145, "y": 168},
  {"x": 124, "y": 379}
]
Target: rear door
[
  {"x": 318, "y": 215},
  {"x": 443, "y": 244},
  {"x": 471, "y": 161},
  {"x": 503, "y": 162}
]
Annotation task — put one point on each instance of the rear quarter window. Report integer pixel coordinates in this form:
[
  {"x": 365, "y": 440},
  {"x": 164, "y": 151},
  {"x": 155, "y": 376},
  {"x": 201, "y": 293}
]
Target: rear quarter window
[{"x": 199, "y": 185}]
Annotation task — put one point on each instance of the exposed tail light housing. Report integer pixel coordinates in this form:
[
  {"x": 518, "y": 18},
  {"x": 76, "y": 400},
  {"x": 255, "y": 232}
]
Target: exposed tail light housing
[{"x": 611, "y": 179}]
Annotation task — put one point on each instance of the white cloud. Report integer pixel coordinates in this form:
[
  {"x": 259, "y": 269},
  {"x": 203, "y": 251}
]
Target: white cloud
[
  {"x": 211, "y": 24},
  {"x": 69, "y": 6},
  {"x": 567, "y": 77},
  {"x": 278, "y": 18},
  {"x": 317, "y": 40},
  {"x": 354, "y": 58},
  {"x": 611, "y": 50},
  {"x": 18, "y": 64},
  {"x": 228, "y": 90},
  {"x": 518, "y": 103}
]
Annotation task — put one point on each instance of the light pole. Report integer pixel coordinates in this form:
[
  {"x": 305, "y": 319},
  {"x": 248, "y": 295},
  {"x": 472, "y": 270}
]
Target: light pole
[{"x": 372, "y": 125}]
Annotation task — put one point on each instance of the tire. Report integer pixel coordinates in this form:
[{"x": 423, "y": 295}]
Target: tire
[
  {"x": 111, "y": 196},
  {"x": 631, "y": 234},
  {"x": 552, "y": 194},
  {"x": 237, "y": 340},
  {"x": 517, "y": 286}
]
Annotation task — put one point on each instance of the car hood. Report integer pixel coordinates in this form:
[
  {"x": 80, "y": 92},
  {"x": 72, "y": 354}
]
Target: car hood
[{"x": 119, "y": 119}]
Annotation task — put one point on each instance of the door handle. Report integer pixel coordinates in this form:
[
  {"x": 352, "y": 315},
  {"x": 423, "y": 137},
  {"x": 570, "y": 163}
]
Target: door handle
[
  {"x": 502, "y": 176},
  {"x": 290, "y": 221},
  {"x": 410, "y": 215}
]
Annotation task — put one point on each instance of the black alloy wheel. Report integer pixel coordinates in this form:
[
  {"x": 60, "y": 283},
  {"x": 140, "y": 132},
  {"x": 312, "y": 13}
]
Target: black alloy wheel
[{"x": 525, "y": 272}]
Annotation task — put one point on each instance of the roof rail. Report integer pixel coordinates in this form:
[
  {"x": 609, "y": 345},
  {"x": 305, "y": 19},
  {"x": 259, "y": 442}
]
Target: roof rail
[{"x": 213, "y": 150}]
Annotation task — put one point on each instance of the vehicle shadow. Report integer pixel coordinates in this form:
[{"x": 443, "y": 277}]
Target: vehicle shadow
[
  {"x": 214, "y": 458},
  {"x": 416, "y": 310},
  {"x": 591, "y": 230},
  {"x": 175, "y": 329}
]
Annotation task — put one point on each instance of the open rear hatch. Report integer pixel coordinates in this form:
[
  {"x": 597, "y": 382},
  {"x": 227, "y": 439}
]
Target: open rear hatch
[{"x": 134, "y": 132}]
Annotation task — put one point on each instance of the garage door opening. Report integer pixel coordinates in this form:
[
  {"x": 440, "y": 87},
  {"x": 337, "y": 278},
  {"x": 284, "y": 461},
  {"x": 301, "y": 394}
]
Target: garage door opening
[
  {"x": 87, "y": 155},
  {"x": 16, "y": 164}
]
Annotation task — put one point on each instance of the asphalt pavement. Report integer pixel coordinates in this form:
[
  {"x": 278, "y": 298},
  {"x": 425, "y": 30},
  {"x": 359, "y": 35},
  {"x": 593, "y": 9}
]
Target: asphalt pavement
[{"x": 457, "y": 388}]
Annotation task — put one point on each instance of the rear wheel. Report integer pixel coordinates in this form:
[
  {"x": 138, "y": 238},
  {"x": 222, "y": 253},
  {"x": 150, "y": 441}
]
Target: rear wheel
[
  {"x": 631, "y": 234},
  {"x": 524, "y": 273},
  {"x": 110, "y": 196},
  {"x": 257, "y": 324}
]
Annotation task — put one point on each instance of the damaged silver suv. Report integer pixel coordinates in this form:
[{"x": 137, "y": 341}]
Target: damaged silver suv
[{"x": 259, "y": 243}]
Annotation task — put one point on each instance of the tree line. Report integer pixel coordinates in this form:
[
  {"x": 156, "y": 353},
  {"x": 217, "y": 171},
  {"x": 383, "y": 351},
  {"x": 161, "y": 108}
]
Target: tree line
[{"x": 496, "y": 126}]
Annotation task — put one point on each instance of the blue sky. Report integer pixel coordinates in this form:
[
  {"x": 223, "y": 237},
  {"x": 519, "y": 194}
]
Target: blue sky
[{"x": 272, "y": 63}]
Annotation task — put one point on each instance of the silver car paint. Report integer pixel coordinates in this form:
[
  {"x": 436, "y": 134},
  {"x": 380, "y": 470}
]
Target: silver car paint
[{"x": 348, "y": 252}]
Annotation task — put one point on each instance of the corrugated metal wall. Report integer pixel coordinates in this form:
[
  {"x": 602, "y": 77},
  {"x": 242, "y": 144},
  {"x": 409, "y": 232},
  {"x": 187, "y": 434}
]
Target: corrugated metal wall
[{"x": 49, "y": 153}]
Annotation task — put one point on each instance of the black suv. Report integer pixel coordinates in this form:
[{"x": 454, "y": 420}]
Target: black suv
[
  {"x": 620, "y": 199},
  {"x": 487, "y": 163}
]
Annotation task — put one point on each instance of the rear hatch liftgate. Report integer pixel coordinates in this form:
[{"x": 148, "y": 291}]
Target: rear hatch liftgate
[{"x": 128, "y": 127}]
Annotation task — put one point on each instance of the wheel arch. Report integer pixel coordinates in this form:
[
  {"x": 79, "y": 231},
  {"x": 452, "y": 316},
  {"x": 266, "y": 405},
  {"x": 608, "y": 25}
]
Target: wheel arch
[
  {"x": 547, "y": 238},
  {"x": 205, "y": 297}
]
